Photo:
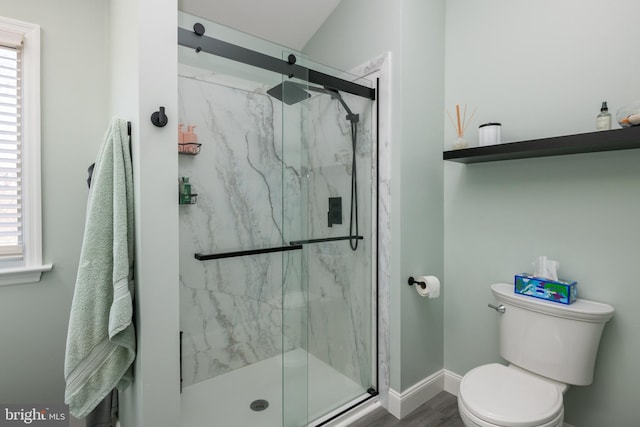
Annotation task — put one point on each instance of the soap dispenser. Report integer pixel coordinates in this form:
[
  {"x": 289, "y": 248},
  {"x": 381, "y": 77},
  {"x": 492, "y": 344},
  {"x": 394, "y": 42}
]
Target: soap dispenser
[
  {"x": 185, "y": 191},
  {"x": 603, "y": 120},
  {"x": 190, "y": 136}
]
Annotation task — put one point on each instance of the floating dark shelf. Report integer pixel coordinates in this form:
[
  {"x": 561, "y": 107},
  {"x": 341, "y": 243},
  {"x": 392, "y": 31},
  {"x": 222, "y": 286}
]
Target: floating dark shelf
[{"x": 618, "y": 139}]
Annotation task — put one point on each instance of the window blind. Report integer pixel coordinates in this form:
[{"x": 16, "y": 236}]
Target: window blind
[{"x": 11, "y": 242}]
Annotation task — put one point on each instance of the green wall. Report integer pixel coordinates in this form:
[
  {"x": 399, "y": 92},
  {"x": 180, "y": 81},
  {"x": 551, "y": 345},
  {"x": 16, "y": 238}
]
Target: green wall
[
  {"x": 520, "y": 65},
  {"x": 422, "y": 231},
  {"x": 74, "y": 69},
  {"x": 412, "y": 32}
]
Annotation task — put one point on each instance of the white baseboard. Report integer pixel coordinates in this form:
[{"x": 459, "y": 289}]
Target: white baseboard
[
  {"x": 451, "y": 382},
  {"x": 402, "y": 404}
]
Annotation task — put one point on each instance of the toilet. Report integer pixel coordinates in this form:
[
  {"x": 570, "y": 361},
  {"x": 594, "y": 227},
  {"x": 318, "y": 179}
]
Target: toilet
[{"x": 549, "y": 346}]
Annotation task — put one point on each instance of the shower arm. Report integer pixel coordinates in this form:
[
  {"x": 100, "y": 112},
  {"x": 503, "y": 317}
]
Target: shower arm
[{"x": 333, "y": 93}]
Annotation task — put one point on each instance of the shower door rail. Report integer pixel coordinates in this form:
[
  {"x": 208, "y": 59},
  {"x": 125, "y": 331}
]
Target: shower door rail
[{"x": 197, "y": 40}]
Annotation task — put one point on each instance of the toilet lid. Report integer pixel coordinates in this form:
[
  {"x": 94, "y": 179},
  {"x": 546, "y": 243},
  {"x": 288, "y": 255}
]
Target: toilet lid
[{"x": 506, "y": 396}]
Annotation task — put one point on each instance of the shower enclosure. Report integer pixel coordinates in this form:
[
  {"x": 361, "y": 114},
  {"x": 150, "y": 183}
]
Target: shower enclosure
[{"x": 278, "y": 244}]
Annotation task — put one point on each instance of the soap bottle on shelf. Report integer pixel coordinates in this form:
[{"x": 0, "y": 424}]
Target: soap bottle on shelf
[
  {"x": 185, "y": 191},
  {"x": 603, "y": 120},
  {"x": 190, "y": 137}
]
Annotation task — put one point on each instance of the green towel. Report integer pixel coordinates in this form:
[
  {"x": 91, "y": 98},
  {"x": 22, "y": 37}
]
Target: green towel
[{"x": 101, "y": 337}]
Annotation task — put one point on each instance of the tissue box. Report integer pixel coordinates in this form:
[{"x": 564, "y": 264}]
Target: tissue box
[{"x": 550, "y": 290}]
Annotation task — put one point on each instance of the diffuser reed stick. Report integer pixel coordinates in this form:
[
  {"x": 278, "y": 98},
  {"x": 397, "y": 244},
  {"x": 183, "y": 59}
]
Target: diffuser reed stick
[
  {"x": 464, "y": 118},
  {"x": 451, "y": 118},
  {"x": 460, "y": 125},
  {"x": 470, "y": 118}
]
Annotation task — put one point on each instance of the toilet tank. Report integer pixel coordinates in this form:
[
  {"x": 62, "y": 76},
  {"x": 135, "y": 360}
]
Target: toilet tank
[{"x": 554, "y": 340}]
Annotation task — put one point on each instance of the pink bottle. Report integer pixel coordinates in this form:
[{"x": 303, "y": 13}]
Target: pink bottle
[
  {"x": 190, "y": 136},
  {"x": 180, "y": 133}
]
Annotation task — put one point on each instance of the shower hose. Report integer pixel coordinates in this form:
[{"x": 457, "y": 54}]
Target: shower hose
[{"x": 353, "y": 219}]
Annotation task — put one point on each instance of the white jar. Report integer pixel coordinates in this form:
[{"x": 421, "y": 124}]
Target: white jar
[{"x": 489, "y": 134}]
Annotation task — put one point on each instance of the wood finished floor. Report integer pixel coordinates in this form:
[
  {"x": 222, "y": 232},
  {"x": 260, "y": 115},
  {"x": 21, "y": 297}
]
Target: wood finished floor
[{"x": 441, "y": 411}]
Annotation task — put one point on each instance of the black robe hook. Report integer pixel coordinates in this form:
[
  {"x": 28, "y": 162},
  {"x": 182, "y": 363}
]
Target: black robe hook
[{"x": 159, "y": 118}]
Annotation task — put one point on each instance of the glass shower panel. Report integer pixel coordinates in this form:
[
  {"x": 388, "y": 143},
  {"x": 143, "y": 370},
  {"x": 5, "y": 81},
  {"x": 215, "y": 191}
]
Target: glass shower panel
[{"x": 335, "y": 209}]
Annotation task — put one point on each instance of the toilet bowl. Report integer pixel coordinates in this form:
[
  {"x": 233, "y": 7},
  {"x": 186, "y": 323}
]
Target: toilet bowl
[
  {"x": 496, "y": 395},
  {"x": 548, "y": 346}
]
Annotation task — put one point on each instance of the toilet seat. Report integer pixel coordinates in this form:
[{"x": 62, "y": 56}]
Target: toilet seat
[{"x": 503, "y": 396}]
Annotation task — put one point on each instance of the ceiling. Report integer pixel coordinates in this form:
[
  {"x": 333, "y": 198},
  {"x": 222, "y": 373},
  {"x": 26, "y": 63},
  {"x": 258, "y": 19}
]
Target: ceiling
[{"x": 290, "y": 23}]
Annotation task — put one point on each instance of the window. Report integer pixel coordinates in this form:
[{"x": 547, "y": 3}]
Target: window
[
  {"x": 10, "y": 159},
  {"x": 20, "y": 212}
]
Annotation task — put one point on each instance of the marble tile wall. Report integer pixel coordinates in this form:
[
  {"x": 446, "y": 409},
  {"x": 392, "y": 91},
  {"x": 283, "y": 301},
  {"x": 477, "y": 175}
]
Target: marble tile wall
[
  {"x": 252, "y": 194},
  {"x": 339, "y": 279},
  {"x": 231, "y": 309}
]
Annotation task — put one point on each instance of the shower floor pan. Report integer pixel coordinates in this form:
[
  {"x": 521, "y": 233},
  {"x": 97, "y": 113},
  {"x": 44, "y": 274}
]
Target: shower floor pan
[{"x": 224, "y": 401}]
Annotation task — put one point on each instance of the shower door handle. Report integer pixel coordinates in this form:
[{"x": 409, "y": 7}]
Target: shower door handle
[
  {"x": 205, "y": 257},
  {"x": 327, "y": 239}
]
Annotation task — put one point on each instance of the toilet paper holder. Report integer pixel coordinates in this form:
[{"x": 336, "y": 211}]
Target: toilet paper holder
[{"x": 413, "y": 281}]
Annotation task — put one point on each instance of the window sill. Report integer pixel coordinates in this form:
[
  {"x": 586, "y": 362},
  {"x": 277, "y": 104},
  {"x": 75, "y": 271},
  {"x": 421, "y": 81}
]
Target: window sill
[{"x": 23, "y": 275}]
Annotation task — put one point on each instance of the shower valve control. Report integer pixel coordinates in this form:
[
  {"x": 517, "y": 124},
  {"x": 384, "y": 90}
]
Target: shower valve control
[{"x": 335, "y": 211}]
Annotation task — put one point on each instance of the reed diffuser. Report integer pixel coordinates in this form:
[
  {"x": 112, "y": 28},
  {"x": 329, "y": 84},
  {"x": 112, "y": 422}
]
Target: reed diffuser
[{"x": 460, "y": 125}]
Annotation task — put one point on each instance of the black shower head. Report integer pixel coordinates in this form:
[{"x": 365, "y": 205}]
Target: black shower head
[{"x": 289, "y": 93}]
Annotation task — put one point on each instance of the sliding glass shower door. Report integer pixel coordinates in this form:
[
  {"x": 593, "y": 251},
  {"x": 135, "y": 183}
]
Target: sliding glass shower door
[
  {"x": 277, "y": 240},
  {"x": 329, "y": 209}
]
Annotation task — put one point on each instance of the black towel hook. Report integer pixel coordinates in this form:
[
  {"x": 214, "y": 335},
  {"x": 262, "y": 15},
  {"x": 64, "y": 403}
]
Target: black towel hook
[{"x": 159, "y": 118}]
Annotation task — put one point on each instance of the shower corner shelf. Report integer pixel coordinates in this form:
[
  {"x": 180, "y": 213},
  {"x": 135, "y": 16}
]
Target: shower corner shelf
[
  {"x": 610, "y": 140},
  {"x": 189, "y": 148},
  {"x": 192, "y": 201}
]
